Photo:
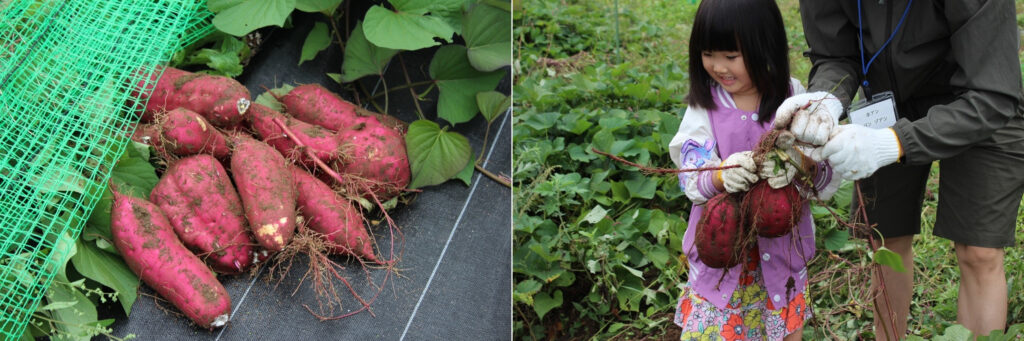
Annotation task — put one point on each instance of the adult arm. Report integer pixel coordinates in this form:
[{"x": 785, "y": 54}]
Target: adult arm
[{"x": 984, "y": 46}]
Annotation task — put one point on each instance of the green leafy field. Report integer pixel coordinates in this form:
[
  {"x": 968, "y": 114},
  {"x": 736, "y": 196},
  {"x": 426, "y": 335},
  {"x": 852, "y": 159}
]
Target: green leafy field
[{"x": 596, "y": 249}]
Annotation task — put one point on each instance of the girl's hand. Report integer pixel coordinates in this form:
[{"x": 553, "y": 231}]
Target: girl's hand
[
  {"x": 739, "y": 179},
  {"x": 777, "y": 178}
]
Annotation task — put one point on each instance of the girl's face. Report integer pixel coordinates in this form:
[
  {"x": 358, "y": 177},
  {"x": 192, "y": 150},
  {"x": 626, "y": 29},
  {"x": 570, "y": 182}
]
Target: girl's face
[{"x": 727, "y": 68}]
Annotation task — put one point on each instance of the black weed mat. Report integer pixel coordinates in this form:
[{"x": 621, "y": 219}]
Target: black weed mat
[{"x": 454, "y": 281}]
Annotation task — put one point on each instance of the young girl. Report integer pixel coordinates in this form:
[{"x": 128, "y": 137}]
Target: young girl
[{"x": 739, "y": 75}]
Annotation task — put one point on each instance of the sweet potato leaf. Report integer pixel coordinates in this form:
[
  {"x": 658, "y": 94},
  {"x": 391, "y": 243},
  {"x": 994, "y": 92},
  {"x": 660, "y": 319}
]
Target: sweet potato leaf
[{"x": 435, "y": 155}]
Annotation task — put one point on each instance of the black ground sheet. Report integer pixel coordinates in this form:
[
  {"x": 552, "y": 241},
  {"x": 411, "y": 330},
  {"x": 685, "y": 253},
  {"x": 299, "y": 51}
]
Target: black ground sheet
[{"x": 454, "y": 281}]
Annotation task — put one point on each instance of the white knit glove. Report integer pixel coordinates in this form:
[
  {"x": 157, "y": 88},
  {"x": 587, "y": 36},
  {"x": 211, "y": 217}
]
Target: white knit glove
[
  {"x": 778, "y": 178},
  {"x": 739, "y": 179},
  {"x": 856, "y": 152},
  {"x": 813, "y": 124}
]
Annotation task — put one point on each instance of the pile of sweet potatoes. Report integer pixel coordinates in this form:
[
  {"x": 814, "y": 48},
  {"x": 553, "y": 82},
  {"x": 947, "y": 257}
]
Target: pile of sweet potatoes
[
  {"x": 243, "y": 177},
  {"x": 732, "y": 221}
]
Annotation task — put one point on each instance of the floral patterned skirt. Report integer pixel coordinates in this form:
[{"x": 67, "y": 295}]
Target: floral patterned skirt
[{"x": 750, "y": 315}]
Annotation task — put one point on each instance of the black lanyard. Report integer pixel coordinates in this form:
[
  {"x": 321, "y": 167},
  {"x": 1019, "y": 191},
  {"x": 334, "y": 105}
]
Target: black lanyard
[{"x": 860, "y": 30}]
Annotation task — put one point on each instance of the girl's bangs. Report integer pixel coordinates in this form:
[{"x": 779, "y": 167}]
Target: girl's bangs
[{"x": 717, "y": 33}]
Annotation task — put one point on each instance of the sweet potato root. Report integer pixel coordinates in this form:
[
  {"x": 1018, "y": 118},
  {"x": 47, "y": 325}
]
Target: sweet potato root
[
  {"x": 221, "y": 100},
  {"x": 376, "y": 153},
  {"x": 720, "y": 231},
  {"x": 266, "y": 188},
  {"x": 147, "y": 241},
  {"x": 201, "y": 204},
  {"x": 146, "y": 133},
  {"x": 184, "y": 133},
  {"x": 324, "y": 143},
  {"x": 329, "y": 214},
  {"x": 315, "y": 104}
]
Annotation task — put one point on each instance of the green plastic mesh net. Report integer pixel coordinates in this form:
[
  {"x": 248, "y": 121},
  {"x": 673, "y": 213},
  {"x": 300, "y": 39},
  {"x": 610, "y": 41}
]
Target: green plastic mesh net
[{"x": 67, "y": 72}]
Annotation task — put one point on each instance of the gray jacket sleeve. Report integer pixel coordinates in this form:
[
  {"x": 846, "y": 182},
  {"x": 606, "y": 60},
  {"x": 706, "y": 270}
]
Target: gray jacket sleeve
[
  {"x": 984, "y": 46},
  {"x": 987, "y": 81},
  {"x": 834, "y": 52}
]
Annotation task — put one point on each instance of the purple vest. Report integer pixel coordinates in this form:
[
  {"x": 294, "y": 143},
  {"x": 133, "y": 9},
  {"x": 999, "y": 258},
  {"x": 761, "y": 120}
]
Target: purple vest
[{"x": 783, "y": 259}]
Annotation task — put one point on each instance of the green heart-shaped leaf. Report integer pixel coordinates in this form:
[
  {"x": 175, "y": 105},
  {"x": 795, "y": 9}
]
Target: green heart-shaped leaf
[
  {"x": 363, "y": 58},
  {"x": 492, "y": 104},
  {"x": 452, "y": 12},
  {"x": 488, "y": 33},
  {"x": 458, "y": 83},
  {"x": 404, "y": 30},
  {"x": 238, "y": 17},
  {"x": 835, "y": 239},
  {"x": 543, "y": 303},
  {"x": 435, "y": 155},
  {"x": 888, "y": 258},
  {"x": 317, "y": 40},
  {"x": 466, "y": 174},
  {"x": 955, "y": 332}
]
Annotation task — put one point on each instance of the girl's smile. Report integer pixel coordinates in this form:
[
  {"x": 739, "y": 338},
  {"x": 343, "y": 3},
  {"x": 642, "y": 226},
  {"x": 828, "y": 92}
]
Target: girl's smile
[{"x": 728, "y": 69}]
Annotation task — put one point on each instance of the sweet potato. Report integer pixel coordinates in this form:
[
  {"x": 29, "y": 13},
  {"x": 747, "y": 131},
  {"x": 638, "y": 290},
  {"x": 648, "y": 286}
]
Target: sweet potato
[
  {"x": 147, "y": 241},
  {"x": 773, "y": 212},
  {"x": 720, "y": 232},
  {"x": 329, "y": 214},
  {"x": 376, "y": 153},
  {"x": 147, "y": 134},
  {"x": 184, "y": 133},
  {"x": 266, "y": 189},
  {"x": 315, "y": 104},
  {"x": 221, "y": 100},
  {"x": 324, "y": 143},
  {"x": 201, "y": 203}
]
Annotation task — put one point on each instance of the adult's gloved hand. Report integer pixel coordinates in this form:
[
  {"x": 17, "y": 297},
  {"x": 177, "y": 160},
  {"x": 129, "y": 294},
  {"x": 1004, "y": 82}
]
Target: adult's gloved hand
[
  {"x": 810, "y": 116},
  {"x": 778, "y": 177},
  {"x": 856, "y": 152},
  {"x": 739, "y": 179}
]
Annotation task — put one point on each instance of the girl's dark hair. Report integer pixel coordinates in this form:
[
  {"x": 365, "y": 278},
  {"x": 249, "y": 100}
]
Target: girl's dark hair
[{"x": 753, "y": 27}]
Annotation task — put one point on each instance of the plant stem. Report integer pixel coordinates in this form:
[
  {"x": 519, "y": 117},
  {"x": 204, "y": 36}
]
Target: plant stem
[
  {"x": 386, "y": 101},
  {"x": 494, "y": 177},
  {"x": 337, "y": 34},
  {"x": 415, "y": 99},
  {"x": 409, "y": 85},
  {"x": 877, "y": 267},
  {"x": 651, "y": 170},
  {"x": 368, "y": 97},
  {"x": 487, "y": 131}
]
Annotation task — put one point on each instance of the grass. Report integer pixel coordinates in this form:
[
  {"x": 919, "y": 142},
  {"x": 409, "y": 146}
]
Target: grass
[{"x": 585, "y": 45}]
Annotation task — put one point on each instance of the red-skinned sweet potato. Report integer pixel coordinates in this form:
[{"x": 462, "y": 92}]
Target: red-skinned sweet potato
[
  {"x": 376, "y": 153},
  {"x": 221, "y": 100},
  {"x": 312, "y": 103},
  {"x": 315, "y": 104},
  {"x": 329, "y": 214},
  {"x": 720, "y": 231},
  {"x": 324, "y": 143},
  {"x": 201, "y": 204},
  {"x": 147, "y": 134},
  {"x": 267, "y": 191},
  {"x": 149, "y": 246},
  {"x": 774, "y": 212},
  {"x": 184, "y": 133}
]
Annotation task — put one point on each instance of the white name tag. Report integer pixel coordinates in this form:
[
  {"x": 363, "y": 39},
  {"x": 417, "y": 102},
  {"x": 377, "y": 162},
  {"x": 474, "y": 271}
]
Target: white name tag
[{"x": 877, "y": 114}]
